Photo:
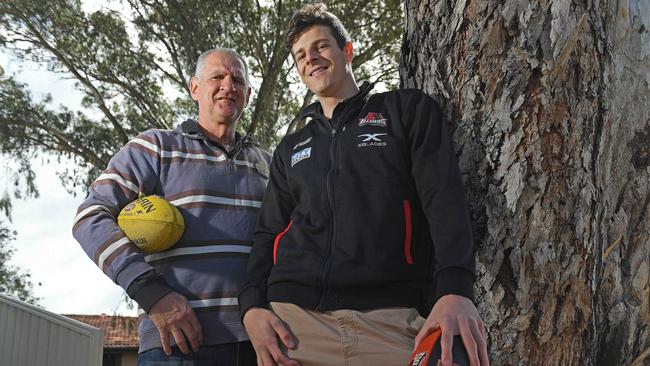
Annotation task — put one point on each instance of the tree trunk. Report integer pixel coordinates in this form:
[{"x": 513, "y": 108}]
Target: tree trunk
[
  {"x": 264, "y": 112},
  {"x": 550, "y": 104}
]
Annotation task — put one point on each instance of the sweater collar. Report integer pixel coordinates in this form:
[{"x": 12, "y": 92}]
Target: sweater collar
[{"x": 191, "y": 129}]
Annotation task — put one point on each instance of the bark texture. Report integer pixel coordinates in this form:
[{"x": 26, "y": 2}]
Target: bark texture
[{"x": 550, "y": 103}]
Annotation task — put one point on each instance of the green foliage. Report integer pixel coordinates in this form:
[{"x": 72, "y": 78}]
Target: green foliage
[
  {"x": 28, "y": 128},
  {"x": 14, "y": 281},
  {"x": 133, "y": 69}
]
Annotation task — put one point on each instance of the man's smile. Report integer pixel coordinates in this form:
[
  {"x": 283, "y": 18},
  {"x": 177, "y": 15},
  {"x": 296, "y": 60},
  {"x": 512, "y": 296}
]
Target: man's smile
[{"x": 318, "y": 70}]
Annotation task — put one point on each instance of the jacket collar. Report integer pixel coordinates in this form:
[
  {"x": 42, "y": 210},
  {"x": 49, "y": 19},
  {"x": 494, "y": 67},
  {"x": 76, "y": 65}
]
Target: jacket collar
[{"x": 315, "y": 110}]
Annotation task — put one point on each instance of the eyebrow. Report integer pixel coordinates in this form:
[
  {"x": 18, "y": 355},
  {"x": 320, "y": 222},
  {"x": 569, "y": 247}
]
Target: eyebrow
[{"x": 223, "y": 72}]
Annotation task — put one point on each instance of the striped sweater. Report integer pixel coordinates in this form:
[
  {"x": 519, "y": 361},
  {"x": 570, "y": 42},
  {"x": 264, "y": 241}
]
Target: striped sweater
[{"x": 219, "y": 196}]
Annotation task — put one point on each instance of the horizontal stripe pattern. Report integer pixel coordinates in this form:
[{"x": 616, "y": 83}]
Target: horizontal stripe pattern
[
  {"x": 117, "y": 178},
  {"x": 149, "y": 145},
  {"x": 206, "y": 303},
  {"x": 110, "y": 249},
  {"x": 202, "y": 198},
  {"x": 210, "y": 295},
  {"x": 208, "y": 192},
  {"x": 225, "y": 301},
  {"x": 198, "y": 250},
  {"x": 172, "y": 154},
  {"x": 88, "y": 210}
]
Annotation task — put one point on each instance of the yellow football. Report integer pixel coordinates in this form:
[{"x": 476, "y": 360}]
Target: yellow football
[{"x": 151, "y": 223}]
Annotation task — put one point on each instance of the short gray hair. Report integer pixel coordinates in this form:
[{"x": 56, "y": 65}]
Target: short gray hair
[{"x": 200, "y": 62}]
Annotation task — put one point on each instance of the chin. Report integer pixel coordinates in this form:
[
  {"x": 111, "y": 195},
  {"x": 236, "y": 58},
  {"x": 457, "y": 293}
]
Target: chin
[
  {"x": 320, "y": 88},
  {"x": 229, "y": 112}
]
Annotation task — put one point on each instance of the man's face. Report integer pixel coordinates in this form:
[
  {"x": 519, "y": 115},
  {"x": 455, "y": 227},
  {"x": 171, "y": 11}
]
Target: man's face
[
  {"x": 321, "y": 64},
  {"x": 220, "y": 89}
]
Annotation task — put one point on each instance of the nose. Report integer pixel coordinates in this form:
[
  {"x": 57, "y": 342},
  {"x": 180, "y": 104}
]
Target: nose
[
  {"x": 227, "y": 84},
  {"x": 311, "y": 55}
]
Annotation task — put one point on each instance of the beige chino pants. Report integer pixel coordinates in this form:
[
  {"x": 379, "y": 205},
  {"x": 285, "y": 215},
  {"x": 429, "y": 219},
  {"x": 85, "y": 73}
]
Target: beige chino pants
[{"x": 349, "y": 337}]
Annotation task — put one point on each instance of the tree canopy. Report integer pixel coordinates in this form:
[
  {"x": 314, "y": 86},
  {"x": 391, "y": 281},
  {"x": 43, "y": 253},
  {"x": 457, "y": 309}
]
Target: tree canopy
[{"x": 133, "y": 67}]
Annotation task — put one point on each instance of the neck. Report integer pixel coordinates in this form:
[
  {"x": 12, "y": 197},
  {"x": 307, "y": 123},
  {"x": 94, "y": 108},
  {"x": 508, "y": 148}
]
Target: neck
[
  {"x": 329, "y": 102},
  {"x": 222, "y": 133}
]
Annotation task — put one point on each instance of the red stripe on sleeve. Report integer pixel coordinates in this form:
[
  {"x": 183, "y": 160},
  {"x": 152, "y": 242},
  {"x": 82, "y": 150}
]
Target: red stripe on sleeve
[
  {"x": 408, "y": 233},
  {"x": 277, "y": 241}
]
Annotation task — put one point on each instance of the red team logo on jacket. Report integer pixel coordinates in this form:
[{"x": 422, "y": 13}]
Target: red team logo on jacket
[{"x": 373, "y": 119}]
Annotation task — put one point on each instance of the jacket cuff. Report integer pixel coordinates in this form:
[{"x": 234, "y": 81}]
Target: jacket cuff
[
  {"x": 455, "y": 281},
  {"x": 251, "y": 297},
  {"x": 147, "y": 289}
]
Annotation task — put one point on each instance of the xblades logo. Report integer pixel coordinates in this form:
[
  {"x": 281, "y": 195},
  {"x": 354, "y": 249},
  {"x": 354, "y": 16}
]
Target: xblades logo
[
  {"x": 371, "y": 136},
  {"x": 372, "y": 139}
]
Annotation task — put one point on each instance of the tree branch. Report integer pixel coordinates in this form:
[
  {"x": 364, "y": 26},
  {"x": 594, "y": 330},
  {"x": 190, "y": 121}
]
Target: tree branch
[
  {"x": 91, "y": 88},
  {"x": 73, "y": 146}
]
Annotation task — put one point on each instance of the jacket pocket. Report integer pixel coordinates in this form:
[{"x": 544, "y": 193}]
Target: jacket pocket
[
  {"x": 277, "y": 241},
  {"x": 408, "y": 232}
]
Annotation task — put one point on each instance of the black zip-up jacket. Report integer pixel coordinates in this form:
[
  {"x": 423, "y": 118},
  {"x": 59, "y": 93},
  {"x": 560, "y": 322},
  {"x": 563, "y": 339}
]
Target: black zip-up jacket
[{"x": 354, "y": 206}]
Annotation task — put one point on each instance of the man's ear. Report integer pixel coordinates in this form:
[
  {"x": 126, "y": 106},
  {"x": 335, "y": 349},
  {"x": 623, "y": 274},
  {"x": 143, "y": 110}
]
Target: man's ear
[
  {"x": 349, "y": 52},
  {"x": 194, "y": 84}
]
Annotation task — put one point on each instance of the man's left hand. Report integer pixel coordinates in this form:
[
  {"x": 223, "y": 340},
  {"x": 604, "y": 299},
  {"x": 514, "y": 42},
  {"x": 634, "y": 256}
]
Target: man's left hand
[
  {"x": 454, "y": 315},
  {"x": 173, "y": 316}
]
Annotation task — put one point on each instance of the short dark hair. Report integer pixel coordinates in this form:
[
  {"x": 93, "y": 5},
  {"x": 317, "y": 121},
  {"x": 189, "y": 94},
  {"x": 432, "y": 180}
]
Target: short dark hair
[{"x": 315, "y": 14}]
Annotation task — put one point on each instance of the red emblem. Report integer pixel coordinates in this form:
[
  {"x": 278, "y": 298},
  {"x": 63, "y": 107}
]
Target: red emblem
[{"x": 373, "y": 119}]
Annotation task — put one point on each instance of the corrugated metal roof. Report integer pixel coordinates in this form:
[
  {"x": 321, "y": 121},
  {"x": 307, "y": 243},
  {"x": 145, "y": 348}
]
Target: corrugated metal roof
[
  {"x": 120, "y": 332},
  {"x": 36, "y": 337}
]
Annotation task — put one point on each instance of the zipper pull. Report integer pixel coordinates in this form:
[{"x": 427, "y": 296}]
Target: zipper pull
[{"x": 333, "y": 131}]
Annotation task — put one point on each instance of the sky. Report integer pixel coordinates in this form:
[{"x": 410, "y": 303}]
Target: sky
[{"x": 70, "y": 281}]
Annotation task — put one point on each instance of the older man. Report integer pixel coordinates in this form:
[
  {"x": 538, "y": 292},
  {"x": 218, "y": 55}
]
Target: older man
[{"x": 216, "y": 178}]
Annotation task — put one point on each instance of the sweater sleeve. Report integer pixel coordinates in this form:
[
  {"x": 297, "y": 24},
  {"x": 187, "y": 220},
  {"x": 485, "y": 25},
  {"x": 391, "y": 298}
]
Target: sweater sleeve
[
  {"x": 273, "y": 218},
  {"x": 133, "y": 170},
  {"x": 440, "y": 189}
]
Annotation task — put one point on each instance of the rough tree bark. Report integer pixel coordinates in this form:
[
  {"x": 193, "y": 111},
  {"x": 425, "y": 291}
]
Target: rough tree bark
[{"x": 550, "y": 103}]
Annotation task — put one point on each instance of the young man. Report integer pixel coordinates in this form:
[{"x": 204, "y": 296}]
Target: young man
[
  {"x": 217, "y": 179},
  {"x": 365, "y": 205}
]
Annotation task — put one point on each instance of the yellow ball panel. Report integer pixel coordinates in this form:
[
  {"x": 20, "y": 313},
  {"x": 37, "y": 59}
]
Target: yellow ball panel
[{"x": 151, "y": 223}]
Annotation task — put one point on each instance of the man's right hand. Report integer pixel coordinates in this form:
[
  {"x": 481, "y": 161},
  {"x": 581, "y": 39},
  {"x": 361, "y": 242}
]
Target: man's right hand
[
  {"x": 173, "y": 316},
  {"x": 264, "y": 328}
]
